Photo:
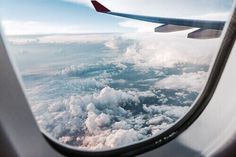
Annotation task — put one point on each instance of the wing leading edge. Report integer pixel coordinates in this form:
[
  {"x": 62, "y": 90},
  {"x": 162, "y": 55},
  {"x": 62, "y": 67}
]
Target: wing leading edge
[{"x": 207, "y": 29}]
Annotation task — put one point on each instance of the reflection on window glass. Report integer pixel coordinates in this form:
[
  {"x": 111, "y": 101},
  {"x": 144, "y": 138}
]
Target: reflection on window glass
[{"x": 99, "y": 82}]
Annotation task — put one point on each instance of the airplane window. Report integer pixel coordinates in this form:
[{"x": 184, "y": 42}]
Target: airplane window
[{"x": 102, "y": 75}]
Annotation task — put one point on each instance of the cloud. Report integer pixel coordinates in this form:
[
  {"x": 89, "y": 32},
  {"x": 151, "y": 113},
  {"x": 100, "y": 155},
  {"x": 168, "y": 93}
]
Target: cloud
[
  {"x": 213, "y": 16},
  {"x": 139, "y": 26},
  {"x": 35, "y": 27},
  {"x": 103, "y": 122},
  {"x": 187, "y": 81},
  {"x": 167, "y": 112},
  {"x": 151, "y": 50},
  {"x": 62, "y": 39},
  {"x": 85, "y": 2}
]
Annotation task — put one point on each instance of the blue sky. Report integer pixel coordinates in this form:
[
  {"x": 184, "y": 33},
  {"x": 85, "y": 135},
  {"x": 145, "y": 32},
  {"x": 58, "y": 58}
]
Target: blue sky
[
  {"x": 55, "y": 11},
  {"x": 78, "y": 16}
]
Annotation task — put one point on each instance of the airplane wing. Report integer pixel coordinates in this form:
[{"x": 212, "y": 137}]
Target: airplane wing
[{"x": 207, "y": 29}]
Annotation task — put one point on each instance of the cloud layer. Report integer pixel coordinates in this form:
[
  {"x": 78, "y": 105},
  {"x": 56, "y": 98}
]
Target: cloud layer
[{"x": 104, "y": 91}]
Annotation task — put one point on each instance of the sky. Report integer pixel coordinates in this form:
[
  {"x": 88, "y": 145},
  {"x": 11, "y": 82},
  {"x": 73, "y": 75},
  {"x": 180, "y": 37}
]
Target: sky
[{"x": 78, "y": 16}]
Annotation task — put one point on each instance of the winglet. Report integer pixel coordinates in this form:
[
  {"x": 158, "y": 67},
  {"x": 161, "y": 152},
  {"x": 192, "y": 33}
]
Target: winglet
[{"x": 99, "y": 7}]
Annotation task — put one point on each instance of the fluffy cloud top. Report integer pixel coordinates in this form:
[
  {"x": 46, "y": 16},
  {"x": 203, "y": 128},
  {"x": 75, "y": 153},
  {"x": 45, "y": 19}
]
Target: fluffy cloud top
[{"x": 111, "y": 90}]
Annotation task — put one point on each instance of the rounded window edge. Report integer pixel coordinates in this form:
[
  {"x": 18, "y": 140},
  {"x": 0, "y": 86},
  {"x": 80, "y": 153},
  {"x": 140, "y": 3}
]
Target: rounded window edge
[{"x": 180, "y": 126}]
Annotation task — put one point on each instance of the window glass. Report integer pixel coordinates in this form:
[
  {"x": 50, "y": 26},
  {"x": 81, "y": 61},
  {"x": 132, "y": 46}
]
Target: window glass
[{"x": 97, "y": 81}]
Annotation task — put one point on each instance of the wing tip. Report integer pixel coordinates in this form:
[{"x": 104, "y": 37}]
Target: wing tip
[{"x": 99, "y": 7}]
